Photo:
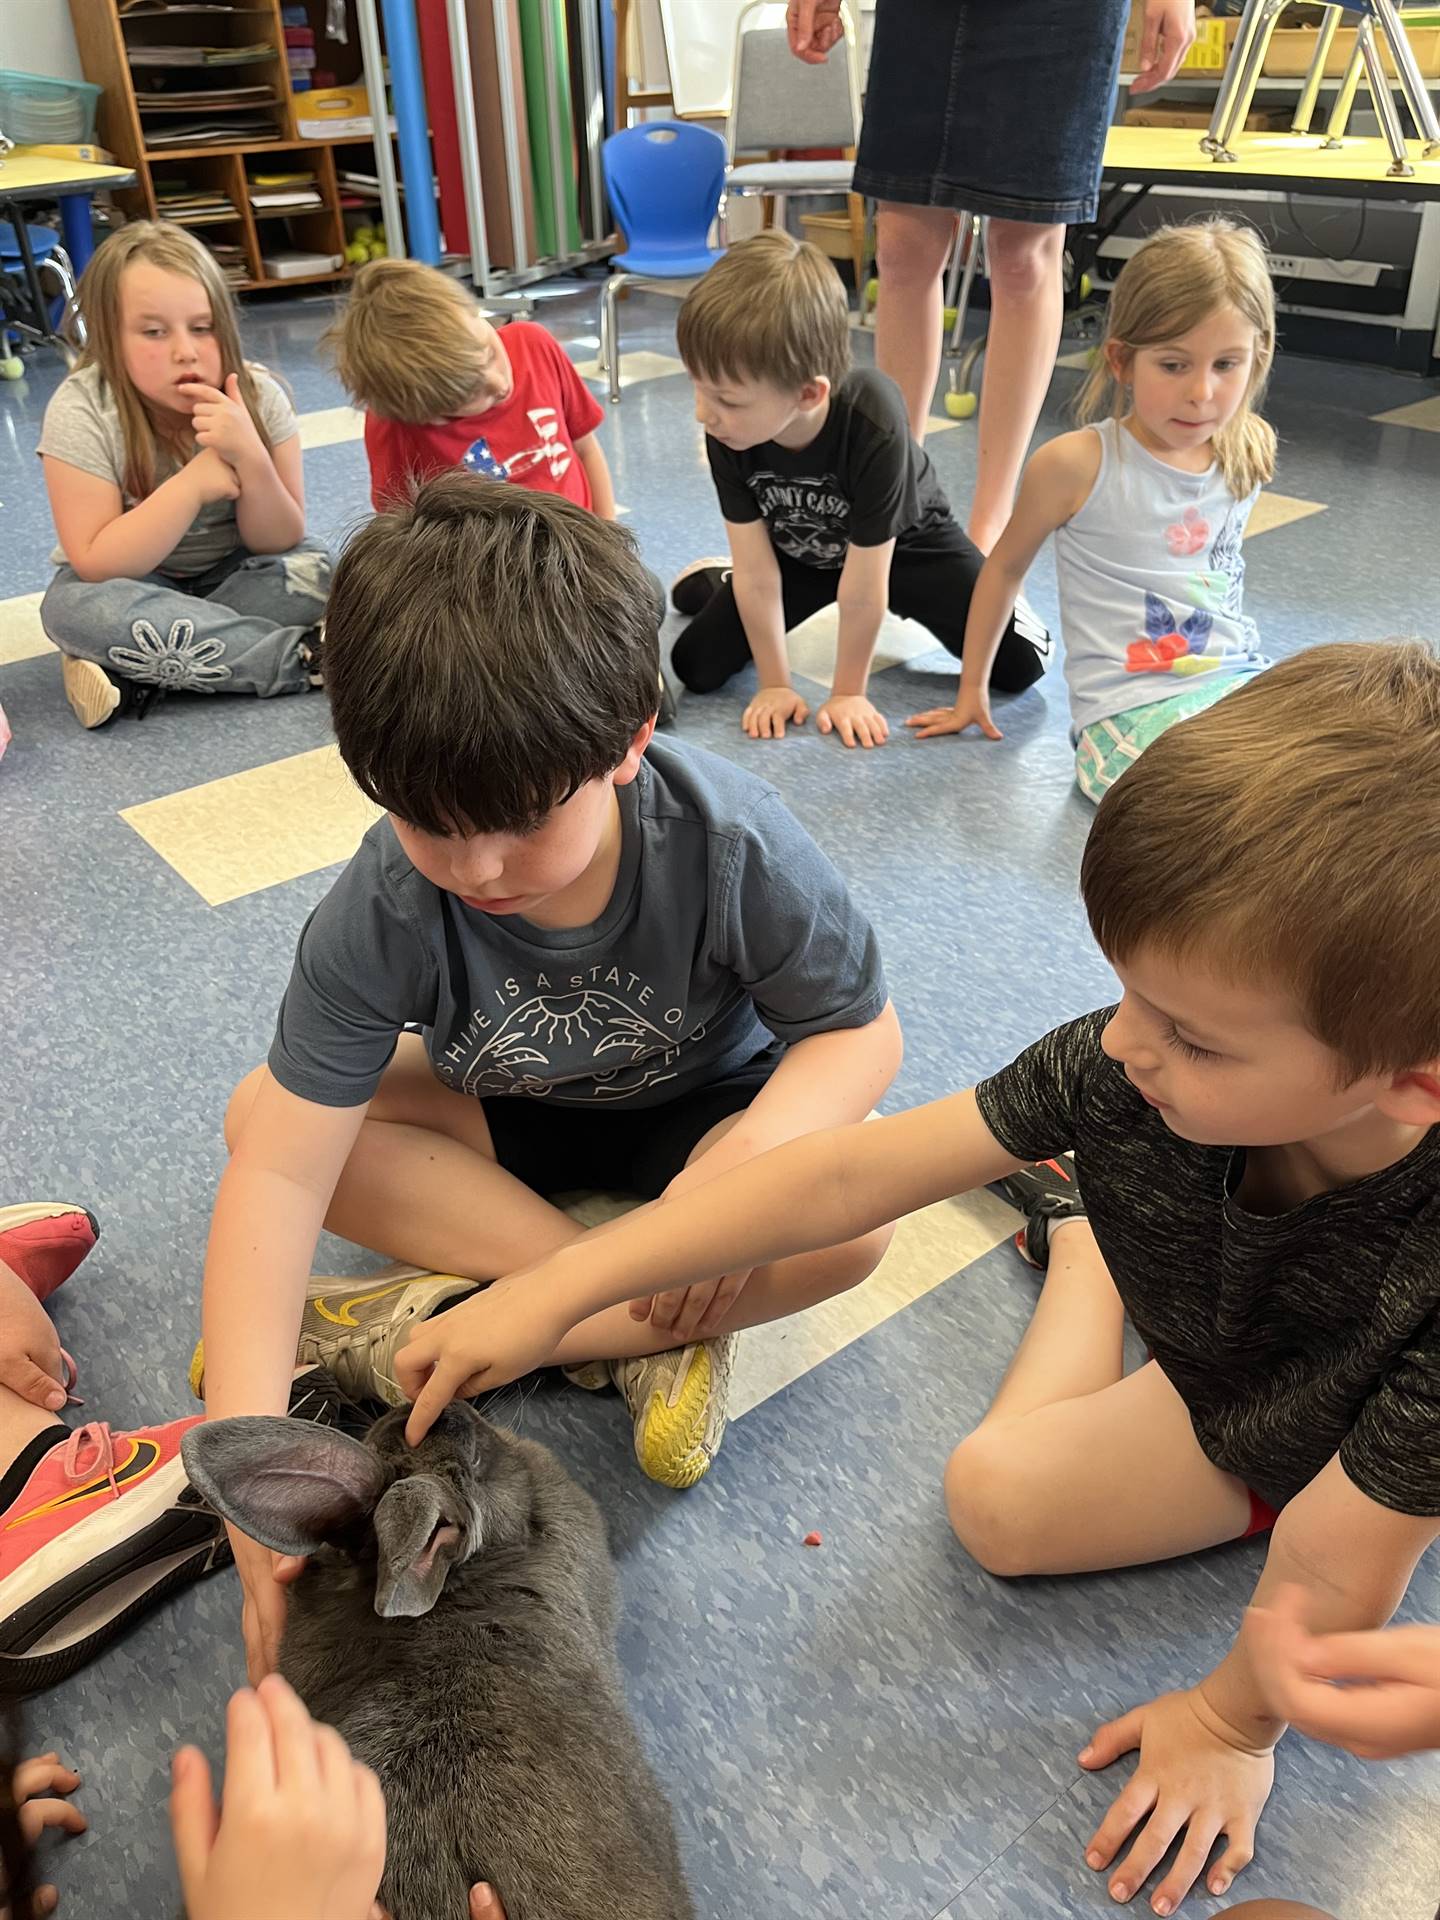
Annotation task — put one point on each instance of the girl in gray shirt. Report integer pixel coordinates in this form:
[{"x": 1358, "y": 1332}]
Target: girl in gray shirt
[{"x": 173, "y": 469}]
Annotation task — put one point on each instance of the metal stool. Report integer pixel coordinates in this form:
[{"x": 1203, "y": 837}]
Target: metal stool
[{"x": 1247, "y": 58}]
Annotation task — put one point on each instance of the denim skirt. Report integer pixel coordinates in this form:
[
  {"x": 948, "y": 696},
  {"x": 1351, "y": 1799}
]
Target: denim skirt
[{"x": 991, "y": 106}]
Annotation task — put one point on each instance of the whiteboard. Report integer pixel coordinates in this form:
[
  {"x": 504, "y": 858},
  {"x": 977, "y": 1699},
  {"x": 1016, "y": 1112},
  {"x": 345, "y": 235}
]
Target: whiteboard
[{"x": 700, "y": 47}]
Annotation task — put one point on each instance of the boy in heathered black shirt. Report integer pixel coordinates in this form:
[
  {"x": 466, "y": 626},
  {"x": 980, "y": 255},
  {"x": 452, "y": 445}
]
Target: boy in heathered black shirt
[
  {"x": 1256, "y": 1128},
  {"x": 825, "y": 497}
]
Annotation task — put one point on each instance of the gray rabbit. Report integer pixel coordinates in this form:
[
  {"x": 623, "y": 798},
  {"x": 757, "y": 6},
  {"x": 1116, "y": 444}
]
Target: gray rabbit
[{"x": 457, "y": 1624}]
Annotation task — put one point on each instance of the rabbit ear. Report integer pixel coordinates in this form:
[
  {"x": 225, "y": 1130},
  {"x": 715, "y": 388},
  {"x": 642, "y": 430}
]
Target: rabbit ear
[
  {"x": 289, "y": 1485},
  {"x": 418, "y": 1525}
]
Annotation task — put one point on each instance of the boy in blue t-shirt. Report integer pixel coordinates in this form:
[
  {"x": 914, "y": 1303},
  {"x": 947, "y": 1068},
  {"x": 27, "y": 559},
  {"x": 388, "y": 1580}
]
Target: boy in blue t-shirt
[{"x": 572, "y": 956}]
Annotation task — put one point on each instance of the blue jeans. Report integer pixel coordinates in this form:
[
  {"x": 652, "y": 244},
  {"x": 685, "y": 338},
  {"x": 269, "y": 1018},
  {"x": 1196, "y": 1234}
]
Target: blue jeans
[
  {"x": 991, "y": 106},
  {"x": 236, "y": 629}
]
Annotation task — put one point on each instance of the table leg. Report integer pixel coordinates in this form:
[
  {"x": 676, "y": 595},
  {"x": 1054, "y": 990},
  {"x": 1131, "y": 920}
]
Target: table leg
[
  {"x": 75, "y": 225},
  {"x": 16, "y": 216}
]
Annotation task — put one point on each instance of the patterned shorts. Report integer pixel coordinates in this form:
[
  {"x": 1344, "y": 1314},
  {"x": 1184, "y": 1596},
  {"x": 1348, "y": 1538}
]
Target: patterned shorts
[{"x": 1107, "y": 747}]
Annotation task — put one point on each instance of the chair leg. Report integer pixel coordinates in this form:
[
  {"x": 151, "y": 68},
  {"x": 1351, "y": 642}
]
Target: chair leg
[
  {"x": 1230, "y": 80},
  {"x": 856, "y": 206},
  {"x": 1310, "y": 92},
  {"x": 1412, "y": 81},
  {"x": 1224, "y": 128},
  {"x": 972, "y": 231},
  {"x": 610, "y": 332},
  {"x": 1344, "y": 102},
  {"x": 1383, "y": 101}
]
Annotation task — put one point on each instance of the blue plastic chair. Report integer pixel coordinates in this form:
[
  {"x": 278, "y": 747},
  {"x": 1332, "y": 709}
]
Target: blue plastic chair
[
  {"x": 665, "y": 180},
  {"x": 49, "y": 256}
]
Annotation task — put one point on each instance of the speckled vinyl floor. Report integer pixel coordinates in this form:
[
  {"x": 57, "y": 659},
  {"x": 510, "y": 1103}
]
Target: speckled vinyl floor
[{"x": 875, "y": 1727}]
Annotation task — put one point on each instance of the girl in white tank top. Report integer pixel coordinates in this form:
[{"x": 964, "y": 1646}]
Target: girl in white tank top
[{"x": 1148, "y": 506}]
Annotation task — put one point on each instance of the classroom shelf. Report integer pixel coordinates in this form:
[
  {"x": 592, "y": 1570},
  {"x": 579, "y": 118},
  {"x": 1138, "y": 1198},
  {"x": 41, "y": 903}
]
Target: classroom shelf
[{"x": 128, "y": 122}]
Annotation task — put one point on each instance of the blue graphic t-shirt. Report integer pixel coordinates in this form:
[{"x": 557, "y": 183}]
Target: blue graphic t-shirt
[{"x": 727, "y": 925}]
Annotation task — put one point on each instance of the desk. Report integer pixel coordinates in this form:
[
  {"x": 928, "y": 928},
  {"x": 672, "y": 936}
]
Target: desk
[
  {"x": 1290, "y": 166},
  {"x": 1284, "y": 162},
  {"x": 25, "y": 176}
]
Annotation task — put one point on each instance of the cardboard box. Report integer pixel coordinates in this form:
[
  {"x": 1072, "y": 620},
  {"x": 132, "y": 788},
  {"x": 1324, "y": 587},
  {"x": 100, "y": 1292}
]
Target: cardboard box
[
  {"x": 1292, "y": 49},
  {"x": 1258, "y": 120}
]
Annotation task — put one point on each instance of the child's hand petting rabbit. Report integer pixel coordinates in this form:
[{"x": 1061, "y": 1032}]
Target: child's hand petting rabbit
[{"x": 301, "y": 1833}]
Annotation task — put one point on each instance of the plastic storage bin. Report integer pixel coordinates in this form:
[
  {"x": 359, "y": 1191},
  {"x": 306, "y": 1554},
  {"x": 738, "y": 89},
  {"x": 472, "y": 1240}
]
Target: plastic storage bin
[{"x": 39, "y": 112}]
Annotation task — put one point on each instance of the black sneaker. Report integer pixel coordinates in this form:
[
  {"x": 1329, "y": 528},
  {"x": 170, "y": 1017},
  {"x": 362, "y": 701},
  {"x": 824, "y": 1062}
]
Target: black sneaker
[
  {"x": 695, "y": 586},
  {"x": 1046, "y": 1192},
  {"x": 312, "y": 654}
]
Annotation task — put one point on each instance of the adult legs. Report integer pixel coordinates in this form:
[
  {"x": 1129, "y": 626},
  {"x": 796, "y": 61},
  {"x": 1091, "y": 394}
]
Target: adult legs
[
  {"x": 912, "y": 245},
  {"x": 1023, "y": 265}
]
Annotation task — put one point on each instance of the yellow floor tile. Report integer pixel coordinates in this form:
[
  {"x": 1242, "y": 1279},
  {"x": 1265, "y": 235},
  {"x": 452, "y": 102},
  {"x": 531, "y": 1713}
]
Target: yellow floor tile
[
  {"x": 21, "y": 635},
  {"x": 928, "y": 1247},
  {"x": 331, "y": 426},
  {"x": 1274, "y": 510},
  {"x": 1424, "y": 414},
  {"x": 255, "y": 829},
  {"x": 634, "y": 367},
  {"x": 939, "y": 423}
]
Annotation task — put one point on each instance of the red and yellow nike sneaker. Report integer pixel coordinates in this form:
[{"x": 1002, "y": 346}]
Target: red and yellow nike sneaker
[
  {"x": 96, "y": 1528},
  {"x": 45, "y": 1241}
]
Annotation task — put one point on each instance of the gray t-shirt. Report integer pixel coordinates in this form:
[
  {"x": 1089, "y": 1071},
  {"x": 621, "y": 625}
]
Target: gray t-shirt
[
  {"x": 727, "y": 925},
  {"x": 1290, "y": 1337},
  {"x": 82, "y": 428}
]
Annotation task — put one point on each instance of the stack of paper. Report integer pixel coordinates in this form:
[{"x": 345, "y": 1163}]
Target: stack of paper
[
  {"x": 272, "y": 192},
  {"x": 234, "y": 129},
  {"x": 192, "y": 56},
  {"x": 156, "y": 100},
  {"x": 192, "y": 206}
]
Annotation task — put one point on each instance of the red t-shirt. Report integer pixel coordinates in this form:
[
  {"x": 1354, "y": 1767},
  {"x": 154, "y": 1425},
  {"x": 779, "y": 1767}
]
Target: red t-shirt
[{"x": 529, "y": 437}]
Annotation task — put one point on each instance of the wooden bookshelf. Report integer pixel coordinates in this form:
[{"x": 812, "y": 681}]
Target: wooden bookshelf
[{"x": 127, "y": 126}]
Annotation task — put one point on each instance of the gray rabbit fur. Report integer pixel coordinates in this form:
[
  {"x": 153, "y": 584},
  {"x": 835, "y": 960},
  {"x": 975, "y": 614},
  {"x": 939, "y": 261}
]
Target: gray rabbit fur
[{"x": 457, "y": 1623}]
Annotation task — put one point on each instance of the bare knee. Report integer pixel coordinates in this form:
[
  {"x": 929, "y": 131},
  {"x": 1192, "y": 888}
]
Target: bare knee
[
  {"x": 986, "y": 1505},
  {"x": 912, "y": 244},
  {"x": 858, "y": 1259},
  {"x": 241, "y": 1101},
  {"x": 1023, "y": 258},
  {"x": 813, "y": 1277}
]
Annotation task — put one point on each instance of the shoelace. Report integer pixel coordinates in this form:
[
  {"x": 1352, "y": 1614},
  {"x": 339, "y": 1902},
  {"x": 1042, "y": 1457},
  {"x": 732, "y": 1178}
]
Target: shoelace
[
  {"x": 356, "y": 1359},
  {"x": 96, "y": 1434}
]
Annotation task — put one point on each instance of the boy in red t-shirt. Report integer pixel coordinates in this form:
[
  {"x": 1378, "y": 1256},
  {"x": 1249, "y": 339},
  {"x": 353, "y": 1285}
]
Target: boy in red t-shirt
[{"x": 442, "y": 388}]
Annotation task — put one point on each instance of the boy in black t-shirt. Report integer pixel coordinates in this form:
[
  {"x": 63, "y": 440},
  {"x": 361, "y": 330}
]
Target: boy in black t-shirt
[
  {"x": 1256, "y": 1127},
  {"x": 825, "y": 497}
]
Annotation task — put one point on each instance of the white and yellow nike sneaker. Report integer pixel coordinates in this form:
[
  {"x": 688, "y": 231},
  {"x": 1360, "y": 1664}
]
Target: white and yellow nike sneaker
[
  {"x": 679, "y": 1402},
  {"x": 354, "y": 1327}
]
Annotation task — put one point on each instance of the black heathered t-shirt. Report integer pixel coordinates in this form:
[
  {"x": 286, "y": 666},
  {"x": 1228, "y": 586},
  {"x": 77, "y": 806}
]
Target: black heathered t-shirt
[
  {"x": 861, "y": 481},
  {"x": 1289, "y": 1336}
]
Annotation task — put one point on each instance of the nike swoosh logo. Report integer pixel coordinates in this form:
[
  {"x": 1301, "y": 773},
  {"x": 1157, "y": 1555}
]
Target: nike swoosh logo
[
  {"x": 342, "y": 1314},
  {"x": 143, "y": 1457}
]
